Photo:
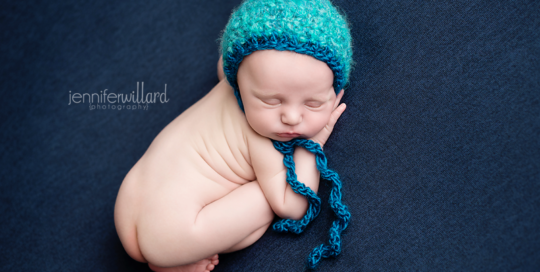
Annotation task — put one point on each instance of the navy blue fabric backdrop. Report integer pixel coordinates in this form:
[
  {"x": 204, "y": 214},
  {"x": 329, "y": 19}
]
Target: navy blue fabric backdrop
[{"x": 439, "y": 149}]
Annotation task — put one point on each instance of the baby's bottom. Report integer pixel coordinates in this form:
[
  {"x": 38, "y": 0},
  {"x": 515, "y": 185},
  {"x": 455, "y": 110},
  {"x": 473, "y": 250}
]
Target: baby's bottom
[{"x": 230, "y": 223}]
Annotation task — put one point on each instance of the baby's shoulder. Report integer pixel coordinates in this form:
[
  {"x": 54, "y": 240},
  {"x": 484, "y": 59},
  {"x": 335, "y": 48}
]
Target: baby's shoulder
[
  {"x": 262, "y": 153},
  {"x": 258, "y": 149}
]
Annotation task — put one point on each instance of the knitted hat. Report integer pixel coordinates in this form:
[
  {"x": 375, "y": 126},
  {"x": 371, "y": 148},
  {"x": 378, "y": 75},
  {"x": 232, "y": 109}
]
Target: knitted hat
[{"x": 311, "y": 27}]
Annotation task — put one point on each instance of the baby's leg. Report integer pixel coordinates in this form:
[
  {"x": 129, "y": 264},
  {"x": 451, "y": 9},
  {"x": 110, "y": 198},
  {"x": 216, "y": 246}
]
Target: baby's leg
[
  {"x": 232, "y": 222},
  {"x": 249, "y": 240}
]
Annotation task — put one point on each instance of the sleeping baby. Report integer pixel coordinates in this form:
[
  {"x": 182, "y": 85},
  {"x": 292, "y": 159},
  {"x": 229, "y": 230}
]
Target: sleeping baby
[{"x": 213, "y": 179}]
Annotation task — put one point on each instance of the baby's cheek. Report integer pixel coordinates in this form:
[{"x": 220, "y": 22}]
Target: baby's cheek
[{"x": 259, "y": 123}]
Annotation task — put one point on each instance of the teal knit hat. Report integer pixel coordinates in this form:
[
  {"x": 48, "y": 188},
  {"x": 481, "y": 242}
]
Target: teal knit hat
[{"x": 312, "y": 27}]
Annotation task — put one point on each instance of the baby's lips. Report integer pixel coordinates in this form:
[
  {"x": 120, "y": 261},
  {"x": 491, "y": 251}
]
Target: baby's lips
[{"x": 289, "y": 135}]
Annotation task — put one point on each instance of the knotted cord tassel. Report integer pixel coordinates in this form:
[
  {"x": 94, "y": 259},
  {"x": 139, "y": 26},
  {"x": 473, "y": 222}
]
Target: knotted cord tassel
[{"x": 333, "y": 248}]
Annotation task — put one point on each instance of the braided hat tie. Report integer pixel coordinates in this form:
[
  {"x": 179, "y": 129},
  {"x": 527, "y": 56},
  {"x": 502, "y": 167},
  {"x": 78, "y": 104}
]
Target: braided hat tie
[{"x": 342, "y": 212}]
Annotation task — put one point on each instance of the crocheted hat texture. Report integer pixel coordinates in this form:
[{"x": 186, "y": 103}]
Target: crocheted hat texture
[{"x": 311, "y": 27}]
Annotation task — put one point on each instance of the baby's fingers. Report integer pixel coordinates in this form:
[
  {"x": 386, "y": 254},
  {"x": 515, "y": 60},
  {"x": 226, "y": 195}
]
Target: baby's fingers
[
  {"x": 323, "y": 135},
  {"x": 335, "y": 116}
]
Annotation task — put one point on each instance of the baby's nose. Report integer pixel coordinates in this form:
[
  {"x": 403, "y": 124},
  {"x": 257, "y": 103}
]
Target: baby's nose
[{"x": 291, "y": 117}]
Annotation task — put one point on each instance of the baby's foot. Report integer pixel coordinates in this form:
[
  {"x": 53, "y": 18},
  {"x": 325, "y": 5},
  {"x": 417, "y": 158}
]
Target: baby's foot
[{"x": 205, "y": 265}]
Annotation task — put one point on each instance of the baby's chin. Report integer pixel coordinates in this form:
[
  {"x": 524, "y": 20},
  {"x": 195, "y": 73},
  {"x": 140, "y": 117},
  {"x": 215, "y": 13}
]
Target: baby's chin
[{"x": 281, "y": 139}]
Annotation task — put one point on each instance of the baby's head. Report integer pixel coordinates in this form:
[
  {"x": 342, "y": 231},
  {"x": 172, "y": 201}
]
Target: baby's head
[{"x": 287, "y": 61}]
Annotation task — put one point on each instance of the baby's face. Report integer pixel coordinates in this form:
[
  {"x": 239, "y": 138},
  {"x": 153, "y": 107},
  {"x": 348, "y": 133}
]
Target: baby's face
[{"x": 286, "y": 95}]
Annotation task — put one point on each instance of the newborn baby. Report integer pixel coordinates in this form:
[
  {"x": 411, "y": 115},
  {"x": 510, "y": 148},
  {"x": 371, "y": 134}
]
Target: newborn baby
[{"x": 212, "y": 180}]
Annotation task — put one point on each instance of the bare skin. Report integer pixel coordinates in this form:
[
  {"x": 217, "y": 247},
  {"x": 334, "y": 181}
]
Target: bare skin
[
  {"x": 205, "y": 265},
  {"x": 211, "y": 181}
]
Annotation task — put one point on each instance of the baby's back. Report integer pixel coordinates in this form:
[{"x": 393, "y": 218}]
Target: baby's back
[
  {"x": 204, "y": 146},
  {"x": 208, "y": 139},
  {"x": 198, "y": 158}
]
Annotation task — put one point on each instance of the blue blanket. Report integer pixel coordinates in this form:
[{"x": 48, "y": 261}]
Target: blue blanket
[{"x": 438, "y": 150}]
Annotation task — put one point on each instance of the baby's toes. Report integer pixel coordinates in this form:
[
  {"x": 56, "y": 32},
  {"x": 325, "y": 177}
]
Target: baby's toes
[{"x": 213, "y": 262}]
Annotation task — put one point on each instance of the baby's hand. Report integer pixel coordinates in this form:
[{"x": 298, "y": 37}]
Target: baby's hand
[{"x": 323, "y": 135}]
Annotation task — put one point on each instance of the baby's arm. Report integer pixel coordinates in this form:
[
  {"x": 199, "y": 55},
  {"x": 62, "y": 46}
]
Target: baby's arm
[{"x": 271, "y": 173}]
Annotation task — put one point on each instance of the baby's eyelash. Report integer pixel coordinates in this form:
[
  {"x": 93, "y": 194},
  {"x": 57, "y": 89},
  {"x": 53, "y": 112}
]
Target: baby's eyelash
[
  {"x": 314, "y": 104},
  {"x": 271, "y": 101}
]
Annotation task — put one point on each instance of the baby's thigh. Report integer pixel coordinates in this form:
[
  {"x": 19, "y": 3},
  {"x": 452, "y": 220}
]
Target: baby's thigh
[
  {"x": 165, "y": 222},
  {"x": 187, "y": 228},
  {"x": 173, "y": 207},
  {"x": 158, "y": 210}
]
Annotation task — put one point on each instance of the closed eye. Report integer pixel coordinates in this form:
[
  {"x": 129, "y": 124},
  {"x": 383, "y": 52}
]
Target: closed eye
[
  {"x": 314, "y": 104},
  {"x": 271, "y": 101}
]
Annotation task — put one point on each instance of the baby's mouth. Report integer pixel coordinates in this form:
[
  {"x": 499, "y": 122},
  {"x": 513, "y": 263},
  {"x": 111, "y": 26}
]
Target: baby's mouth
[{"x": 289, "y": 135}]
